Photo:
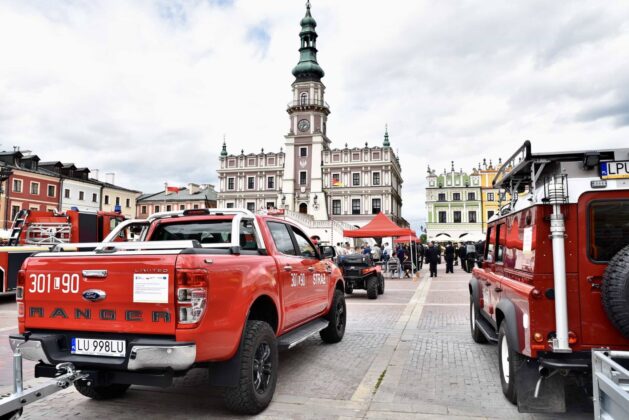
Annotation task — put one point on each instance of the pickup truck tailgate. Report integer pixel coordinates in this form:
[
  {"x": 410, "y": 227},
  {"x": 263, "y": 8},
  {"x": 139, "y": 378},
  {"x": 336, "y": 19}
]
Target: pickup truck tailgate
[{"x": 101, "y": 293}]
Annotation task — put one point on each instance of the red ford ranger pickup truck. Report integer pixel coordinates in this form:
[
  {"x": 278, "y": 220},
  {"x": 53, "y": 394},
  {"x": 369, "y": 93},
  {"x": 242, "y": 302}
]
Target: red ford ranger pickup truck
[{"x": 221, "y": 289}]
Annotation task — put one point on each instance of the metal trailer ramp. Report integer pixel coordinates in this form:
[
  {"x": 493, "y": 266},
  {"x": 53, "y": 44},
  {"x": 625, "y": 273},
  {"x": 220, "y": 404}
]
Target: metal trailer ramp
[{"x": 610, "y": 385}]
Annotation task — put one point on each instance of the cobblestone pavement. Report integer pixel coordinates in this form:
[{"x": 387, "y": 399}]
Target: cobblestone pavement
[{"x": 407, "y": 354}]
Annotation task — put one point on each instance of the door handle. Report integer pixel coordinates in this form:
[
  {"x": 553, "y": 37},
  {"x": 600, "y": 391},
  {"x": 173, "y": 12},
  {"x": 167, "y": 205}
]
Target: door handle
[
  {"x": 311, "y": 269},
  {"x": 288, "y": 268},
  {"x": 98, "y": 274}
]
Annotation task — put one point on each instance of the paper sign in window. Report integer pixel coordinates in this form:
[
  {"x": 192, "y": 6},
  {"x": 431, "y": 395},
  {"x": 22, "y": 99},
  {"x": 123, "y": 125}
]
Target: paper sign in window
[
  {"x": 527, "y": 241},
  {"x": 150, "y": 288}
]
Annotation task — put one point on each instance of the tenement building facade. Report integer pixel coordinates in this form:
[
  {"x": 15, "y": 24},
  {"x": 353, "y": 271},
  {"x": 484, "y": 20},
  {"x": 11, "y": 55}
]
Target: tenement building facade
[
  {"x": 307, "y": 175},
  {"x": 453, "y": 204}
]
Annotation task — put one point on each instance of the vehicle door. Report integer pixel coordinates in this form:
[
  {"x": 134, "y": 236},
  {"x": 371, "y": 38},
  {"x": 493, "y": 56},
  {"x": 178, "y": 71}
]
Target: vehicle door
[
  {"x": 493, "y": 285},
  {"x": 291, "y": 283},
  {"x": 315, "y": 293},
  {"x": 489, "y": 263},
  {"x": 603, "y": 220}
]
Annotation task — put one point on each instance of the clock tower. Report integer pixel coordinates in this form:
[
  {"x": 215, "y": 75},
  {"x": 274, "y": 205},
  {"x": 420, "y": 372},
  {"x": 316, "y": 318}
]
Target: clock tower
[{"x": 306, "y": 139}]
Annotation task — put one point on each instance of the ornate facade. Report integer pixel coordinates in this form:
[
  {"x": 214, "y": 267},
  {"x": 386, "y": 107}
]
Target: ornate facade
[
  {"x": 307, "y": 175},
  {"x": 453, "y": 204}
]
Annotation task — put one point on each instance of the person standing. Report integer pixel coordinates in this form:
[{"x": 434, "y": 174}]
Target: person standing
[
  {"x": 463, "y": 256},
  {"x": 420, "y": 256},
  {"x": 449, "y": 255},
  {"x": 401, "y": 255},
  {"x": 432, "y": 258},
  {"x": 376, "y": 253}
]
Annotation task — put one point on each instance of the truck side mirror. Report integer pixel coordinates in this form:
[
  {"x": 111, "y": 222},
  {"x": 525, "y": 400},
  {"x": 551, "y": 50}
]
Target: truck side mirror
[{"x": 328, "y": 251}]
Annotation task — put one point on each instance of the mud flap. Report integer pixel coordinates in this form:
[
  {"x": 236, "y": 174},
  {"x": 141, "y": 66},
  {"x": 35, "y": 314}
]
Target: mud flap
[{"x": 551, "y": 397}]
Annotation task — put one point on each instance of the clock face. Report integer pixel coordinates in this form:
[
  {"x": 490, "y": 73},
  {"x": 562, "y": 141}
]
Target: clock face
[{"x": 303, "y": 125}]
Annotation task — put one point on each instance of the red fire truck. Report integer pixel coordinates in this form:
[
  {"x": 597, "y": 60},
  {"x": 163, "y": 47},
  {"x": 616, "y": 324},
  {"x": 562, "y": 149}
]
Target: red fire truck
[
  {"x": 34, "y": 231},
  {"x": 554, "y": 282}
]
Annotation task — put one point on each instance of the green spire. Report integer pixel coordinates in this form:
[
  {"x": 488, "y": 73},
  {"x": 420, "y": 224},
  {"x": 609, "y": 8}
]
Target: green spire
[
  {"x": 308, "y": 69},
  {"x": 224, "y": 151},
  {"x": 386, "y": 136}
]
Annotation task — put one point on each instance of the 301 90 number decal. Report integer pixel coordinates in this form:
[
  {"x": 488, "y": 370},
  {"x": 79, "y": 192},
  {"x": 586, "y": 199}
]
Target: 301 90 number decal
[{"x": 45, "y": 283}]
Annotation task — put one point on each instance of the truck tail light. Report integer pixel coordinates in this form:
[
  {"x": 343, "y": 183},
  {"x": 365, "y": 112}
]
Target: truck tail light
[
  {"x": 191, "y": 297},
  {"x": 572, "y": 338},
  {"x": 19, "y": 290}
]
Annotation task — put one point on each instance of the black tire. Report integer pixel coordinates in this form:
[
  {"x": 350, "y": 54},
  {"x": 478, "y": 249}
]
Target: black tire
[
  {"x": 13, "y": 415},
  {"x": 337, "y": 318},
  {"x": 349, "y": 288},
  {"x": 106, "y": 392},
  {"x": 380, "y": 284},
  {"x": 512, "y": 359},
  {"x": 477, "y": 334},
  {"x": 615, "y": 291},
  {"x": 372, "y": 287},
  {"x": 258, "y": 370}
]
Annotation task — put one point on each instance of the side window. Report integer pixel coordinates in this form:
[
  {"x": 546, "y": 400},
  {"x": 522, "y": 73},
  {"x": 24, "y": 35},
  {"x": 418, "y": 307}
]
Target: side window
[
  {"x": 501, "y": 234},
  {"x": 306, "y": 249},
  {"x": 489, "y": 249},
  {"x": 248, "y": 235},
  {"x": 281, "y": 238}
]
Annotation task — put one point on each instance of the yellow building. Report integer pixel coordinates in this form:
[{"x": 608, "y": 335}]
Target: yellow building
[{"x": 490, "y": 196}]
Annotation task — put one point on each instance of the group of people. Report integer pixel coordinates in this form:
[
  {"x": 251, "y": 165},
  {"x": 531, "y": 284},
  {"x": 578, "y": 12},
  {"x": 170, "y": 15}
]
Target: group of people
[
  {"x": 403, "y": 261},
  {"x": 466, "y": 253}
]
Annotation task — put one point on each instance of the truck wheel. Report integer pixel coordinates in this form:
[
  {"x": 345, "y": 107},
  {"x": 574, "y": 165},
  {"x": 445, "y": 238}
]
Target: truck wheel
[
  {"x": 337, "y": 316},
  {"x": 372, "y": 287},
  {"x": 477, "y": 335},
  {"x": 258, "y": 370},
  {"x": 106, "y": 392},
  {"x": 508, "y": 361},
  {"x": 615, "y": 291},
  {"x": 349, "y": 288},
  {"x": 380, "y": 285},
  {"x": 12, "y": 415}
]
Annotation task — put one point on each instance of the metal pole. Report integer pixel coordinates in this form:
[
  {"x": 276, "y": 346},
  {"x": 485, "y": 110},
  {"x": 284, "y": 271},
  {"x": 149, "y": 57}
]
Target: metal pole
[
  {"x": 18, "y": 385},
  {"x": 557, "y": 233}
]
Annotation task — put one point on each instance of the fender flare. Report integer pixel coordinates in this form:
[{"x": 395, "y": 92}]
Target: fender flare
[{"x": 509, "y": 315}]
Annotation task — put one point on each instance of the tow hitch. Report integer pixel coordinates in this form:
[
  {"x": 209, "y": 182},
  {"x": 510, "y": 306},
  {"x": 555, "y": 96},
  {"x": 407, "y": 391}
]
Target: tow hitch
[{"x": 11, "y": 405}]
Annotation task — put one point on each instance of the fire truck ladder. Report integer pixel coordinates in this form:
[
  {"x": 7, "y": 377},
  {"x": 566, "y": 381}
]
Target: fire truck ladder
[
  {"x": 48, "y": 233},
  {"x": 16, "y": 228}
]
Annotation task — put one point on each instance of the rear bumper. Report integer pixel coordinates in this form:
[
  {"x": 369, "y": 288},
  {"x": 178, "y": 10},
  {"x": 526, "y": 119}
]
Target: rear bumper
[{"x": 142, "y": 353}]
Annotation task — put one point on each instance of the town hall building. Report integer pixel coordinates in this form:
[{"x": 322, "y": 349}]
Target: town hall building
[{"x": 308, "y": 175}]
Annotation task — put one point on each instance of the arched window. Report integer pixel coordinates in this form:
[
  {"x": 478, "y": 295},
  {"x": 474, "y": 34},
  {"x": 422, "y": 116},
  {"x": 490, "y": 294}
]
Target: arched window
[{"x": 303, "y": 98}]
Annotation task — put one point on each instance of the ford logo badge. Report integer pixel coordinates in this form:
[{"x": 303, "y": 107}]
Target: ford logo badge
[{"x": 94, "y": 295}]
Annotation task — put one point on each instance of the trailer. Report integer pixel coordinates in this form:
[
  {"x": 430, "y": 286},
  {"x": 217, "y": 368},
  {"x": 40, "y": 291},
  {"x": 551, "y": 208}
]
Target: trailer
[
  {"x": 610, "y": 382},
  {"x": 12, "y": 405}
]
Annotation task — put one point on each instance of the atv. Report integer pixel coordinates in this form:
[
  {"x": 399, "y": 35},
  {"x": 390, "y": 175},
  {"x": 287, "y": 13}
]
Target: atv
[{"x": 360, "y": 272}]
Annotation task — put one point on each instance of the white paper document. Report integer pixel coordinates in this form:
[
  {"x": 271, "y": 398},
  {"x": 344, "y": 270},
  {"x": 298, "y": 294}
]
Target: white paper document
[{"x": 150, "y": 288}]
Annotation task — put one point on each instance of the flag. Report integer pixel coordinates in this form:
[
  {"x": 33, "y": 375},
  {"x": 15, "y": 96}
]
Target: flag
[
  {"x": 172, "y": 189},
  {"x": 337, "y": 183}
]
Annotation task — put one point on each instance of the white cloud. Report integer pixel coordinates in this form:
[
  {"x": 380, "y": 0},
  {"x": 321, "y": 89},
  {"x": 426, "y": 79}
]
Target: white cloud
[{"x": 148, "y": 88}]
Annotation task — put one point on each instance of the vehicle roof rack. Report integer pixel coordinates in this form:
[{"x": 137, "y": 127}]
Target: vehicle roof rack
[
  {"x": 518, "y": 171},
  {"x": 216, "y": 212}
]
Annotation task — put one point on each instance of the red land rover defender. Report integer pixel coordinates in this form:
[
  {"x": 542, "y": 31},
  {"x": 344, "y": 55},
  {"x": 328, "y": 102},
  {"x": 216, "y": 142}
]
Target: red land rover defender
[{"x": 554, "y": 283}]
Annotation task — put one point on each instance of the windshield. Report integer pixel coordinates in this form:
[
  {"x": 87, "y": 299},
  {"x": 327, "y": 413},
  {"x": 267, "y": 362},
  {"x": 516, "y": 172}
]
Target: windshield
[{"x": 206, "y": 232}]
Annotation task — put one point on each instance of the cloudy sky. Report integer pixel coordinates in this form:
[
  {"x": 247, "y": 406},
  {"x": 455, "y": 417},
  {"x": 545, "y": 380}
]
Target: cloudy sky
[{"x": 147, "y": 89}]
